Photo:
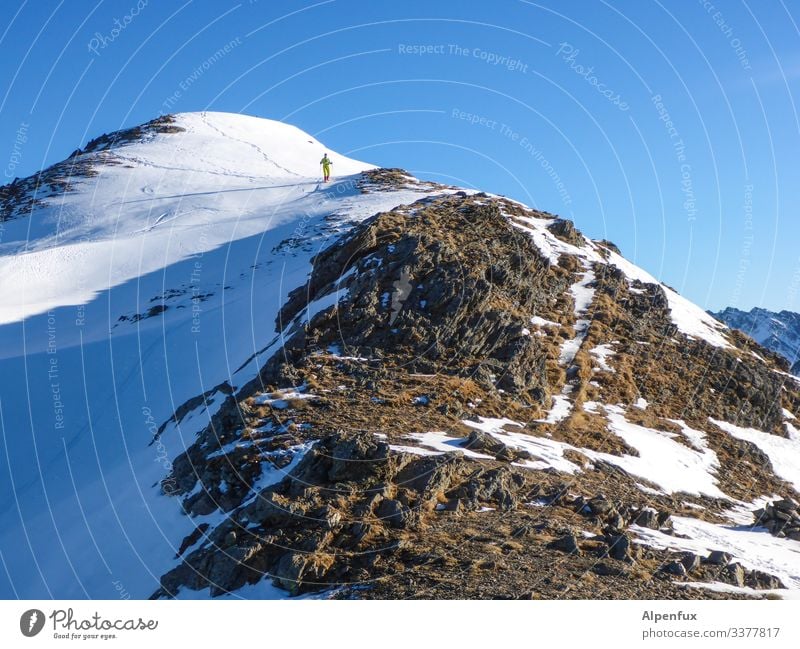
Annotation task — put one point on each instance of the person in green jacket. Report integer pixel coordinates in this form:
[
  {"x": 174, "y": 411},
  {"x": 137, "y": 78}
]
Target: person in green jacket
[{"x": 326, "y": 167}]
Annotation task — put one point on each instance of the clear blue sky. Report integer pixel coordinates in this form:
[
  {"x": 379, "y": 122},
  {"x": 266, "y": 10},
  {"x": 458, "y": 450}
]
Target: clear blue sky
[{"x": 565, "y": 89}]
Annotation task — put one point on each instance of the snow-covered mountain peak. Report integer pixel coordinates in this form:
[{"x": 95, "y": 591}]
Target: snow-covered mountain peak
[
  {"x": 138, "y": 200},
  {"x": 230, "y": 144}
]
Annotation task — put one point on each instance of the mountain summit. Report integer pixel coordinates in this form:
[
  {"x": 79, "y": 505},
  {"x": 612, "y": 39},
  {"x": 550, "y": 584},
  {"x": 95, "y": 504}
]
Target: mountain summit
[{"x": 377, "y": 387}]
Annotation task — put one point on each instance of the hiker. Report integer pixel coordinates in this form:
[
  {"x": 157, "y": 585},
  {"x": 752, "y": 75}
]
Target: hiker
[{"x": 326, "y": 167}]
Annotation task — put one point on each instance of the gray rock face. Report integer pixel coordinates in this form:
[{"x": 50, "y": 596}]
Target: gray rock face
[
  {"x": 621, "y": 547},
  {"x": 781, "y": 518},
  {"x": 458, "y": 316},
  {"x": 690, "y": 561}
]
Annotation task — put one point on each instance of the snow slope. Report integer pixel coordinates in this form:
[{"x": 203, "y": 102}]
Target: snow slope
[{"x": 169, "y": 198}]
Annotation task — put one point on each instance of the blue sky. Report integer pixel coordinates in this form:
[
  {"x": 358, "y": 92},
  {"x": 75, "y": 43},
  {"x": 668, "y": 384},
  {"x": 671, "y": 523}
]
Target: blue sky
[{"x": 669, "y": 128}]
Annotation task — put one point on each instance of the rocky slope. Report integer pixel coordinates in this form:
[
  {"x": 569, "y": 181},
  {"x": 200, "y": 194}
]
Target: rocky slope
[
  {"x": 474, "y": 400},
  {"x": 779, "y": 332}
]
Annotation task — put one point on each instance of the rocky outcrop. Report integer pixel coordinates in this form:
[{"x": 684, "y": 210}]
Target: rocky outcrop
[
  {"x": 429, "y": 317},
  {"x": 23, "y": 195},
  {"x": 349, "y": 501},
  {"x": 781, "y": 518}
]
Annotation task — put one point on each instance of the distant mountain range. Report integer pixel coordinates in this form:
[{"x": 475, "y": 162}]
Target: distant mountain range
[{"x": 779, "y": 332}]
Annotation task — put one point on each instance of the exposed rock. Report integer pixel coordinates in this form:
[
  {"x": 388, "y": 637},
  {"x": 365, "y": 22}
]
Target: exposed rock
[
  {"x": 718, "y": 558},
  {"x": 620, "y": 547},
  {"x": 675, "y": 568},
  {"x": 435, "y": 297},
  {"x": 567, "y": 543},
  {"x": 781, "y": 518},
  {"x": 734, "y": 574},
  {"x": 394, "y": 513},
  {"x": 690, "y": 561},
  {"x": 609, "y": 569}
]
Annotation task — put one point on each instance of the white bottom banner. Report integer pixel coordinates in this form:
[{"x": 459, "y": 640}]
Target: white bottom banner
[{"x": 387, "y": 624}]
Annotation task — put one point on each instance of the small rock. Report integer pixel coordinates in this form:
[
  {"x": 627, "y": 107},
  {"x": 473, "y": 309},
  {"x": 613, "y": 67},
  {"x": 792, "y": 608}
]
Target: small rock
[
  {"x": 785, "y": 505},
  {"x": 718, "y": 558},
  {"x": 521, "y": 532},
  {"x": 567, "y": 543},
  {"x": 690, "y": 561},
  {"x": 609, "y": 570},
  {"x": 621, "y": 548},
  {"x": 393, "y": 513},
  {"x": 647, "y": 518},
  {"x": 762, "y": 580},
  {"x": 675, "y": 568},
  {"x": 600, "y": 506},
  {"x": 615, "y": 521},
  {"x": 734, "y": 574}
]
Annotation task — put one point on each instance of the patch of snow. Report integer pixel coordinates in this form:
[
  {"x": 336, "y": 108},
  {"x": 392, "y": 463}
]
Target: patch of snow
[
  {"x": 541, "y": 322},
  {"x": 561, "y": 409},
  {"x": 283, "y": 397},
  {"x": 335, "y": 351},
  {"x": 722, "y": 587},
  {"x": 667, "y": 463},
  {"x": 548, "y": 453},
  {"x": 754, "y": 548},
  {"x": 582, "y": 293},
  {"x": 641, "y": 403},
  {"x": 569, "y": 348},
  {"x": 663, "y": 461},
  {"x": 442, "y": 443},
  {"x": 648, "y": 490},
  {"x": 693, "y": 505},
  {"x": 601, "y": 354},
  {"x": 784, "y": 454}
]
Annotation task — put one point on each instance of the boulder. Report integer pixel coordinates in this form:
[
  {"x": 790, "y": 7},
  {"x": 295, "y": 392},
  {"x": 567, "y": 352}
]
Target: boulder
[
  {"x": 567, "y": 543},
  {"x": 675, "y": 568},
  {"x": 690, "y": 561},
  {"x": 718, "y": 558}
]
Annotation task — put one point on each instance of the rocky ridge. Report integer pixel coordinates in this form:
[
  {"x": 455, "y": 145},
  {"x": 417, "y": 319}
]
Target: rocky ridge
[{"x": 458, "y": 410}]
